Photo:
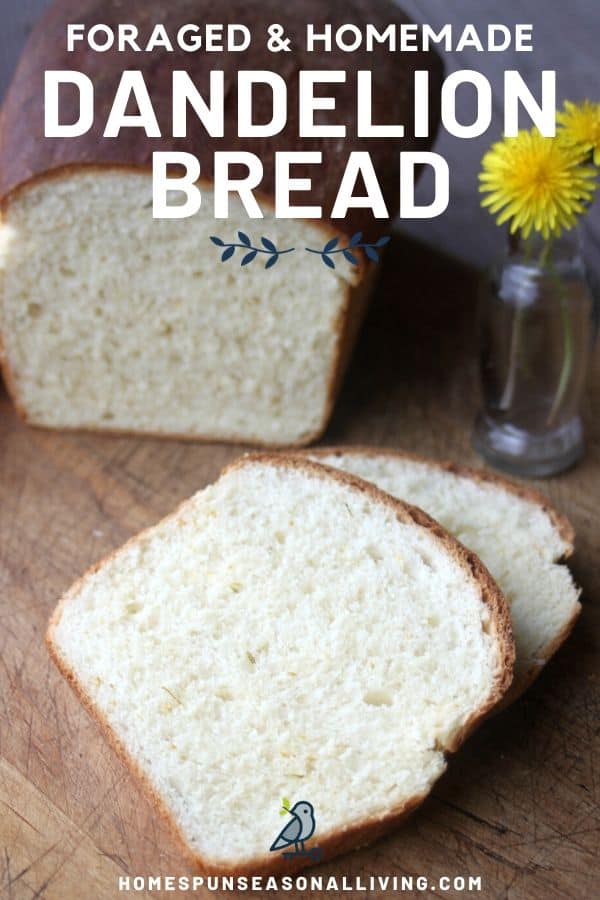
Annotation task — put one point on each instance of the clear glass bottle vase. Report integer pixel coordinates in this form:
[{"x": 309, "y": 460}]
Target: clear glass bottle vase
[{"x": 537, "y": 332}]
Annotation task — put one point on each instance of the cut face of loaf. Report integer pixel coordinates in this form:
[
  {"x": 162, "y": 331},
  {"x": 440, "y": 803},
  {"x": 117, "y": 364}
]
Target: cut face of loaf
[
  {"x": 250, "y": 646},
  {"x": 513, "y": 529},
  {"x": 112, "y": 320}
]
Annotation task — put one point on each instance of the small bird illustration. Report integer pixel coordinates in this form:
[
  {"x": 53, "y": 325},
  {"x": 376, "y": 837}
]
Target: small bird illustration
[{"x": 299, "y": 829}]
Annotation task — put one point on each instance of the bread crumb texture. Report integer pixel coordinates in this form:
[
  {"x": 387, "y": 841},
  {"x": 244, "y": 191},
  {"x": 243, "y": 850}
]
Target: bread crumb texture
[
  {"x": 113, "y": 320},
  {"x": 515, "y": 537},
  {"x": 284, "y": 634}
]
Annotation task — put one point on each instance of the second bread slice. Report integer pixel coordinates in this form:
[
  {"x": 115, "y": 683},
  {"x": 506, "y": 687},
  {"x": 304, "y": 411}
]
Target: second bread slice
[
  {"x": 513, "y": 529},
  {"x": 290, "y": 632}
]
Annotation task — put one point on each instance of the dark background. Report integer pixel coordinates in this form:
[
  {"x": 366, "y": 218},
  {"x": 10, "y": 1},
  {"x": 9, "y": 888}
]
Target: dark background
[{"x": 566, "y": 37}]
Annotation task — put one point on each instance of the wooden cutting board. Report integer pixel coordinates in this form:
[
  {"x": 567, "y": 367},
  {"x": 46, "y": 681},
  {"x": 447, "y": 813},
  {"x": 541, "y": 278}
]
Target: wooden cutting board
[{"x": 519, "y": 804}]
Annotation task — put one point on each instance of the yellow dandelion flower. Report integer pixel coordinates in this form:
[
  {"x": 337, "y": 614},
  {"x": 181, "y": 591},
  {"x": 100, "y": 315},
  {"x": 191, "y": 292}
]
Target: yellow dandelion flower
[
  {"x": 537, "y": 183},
  {"x": 580, "y": 127}
]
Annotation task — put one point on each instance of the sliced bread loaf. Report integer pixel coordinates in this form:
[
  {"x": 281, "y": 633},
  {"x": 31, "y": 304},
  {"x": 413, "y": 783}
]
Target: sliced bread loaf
[
  {"x": 250, "y": 646},
  {"x": 112, "y": 320},
  {"x": 513, "y": 529}
]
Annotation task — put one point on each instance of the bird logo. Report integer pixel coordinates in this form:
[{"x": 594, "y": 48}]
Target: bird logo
[{"x": 299, "y": 829}]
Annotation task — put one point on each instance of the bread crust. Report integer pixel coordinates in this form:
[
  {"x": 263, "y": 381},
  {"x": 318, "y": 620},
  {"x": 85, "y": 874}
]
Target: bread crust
[
  {"x": 25, "y": 152},
  {"x": 357, "y": 834},
  {"x": 523, "y": 680}
]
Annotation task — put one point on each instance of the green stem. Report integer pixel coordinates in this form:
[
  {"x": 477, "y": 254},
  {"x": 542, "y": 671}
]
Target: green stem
[
  {"x": 545, "y": 254},
  {"x": 527, "y": 252},
  {"x": 544, "y": 263},
  {"x": 568, "y": 350},
  {"x": 516, "y": 337},
  {"x": 513, "y": 360}
]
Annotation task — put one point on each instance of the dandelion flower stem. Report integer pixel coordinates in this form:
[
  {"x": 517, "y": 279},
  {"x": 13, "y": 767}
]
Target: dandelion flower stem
[
  {"x": 516, "y": 337},
  {"x": 508, "y": 394},
  {"x": 568, "y": 348},
  {"x": 545, "y": 255}
]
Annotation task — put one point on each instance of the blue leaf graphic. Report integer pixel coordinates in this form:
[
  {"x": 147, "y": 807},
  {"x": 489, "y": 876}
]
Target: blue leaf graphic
[
  {"x": 383, "y": 241},
  {"x": 269, "y": 245},
  {"x": 244, "y": 239},
  {"x": 330, "y": 245},
  {"x": 328, "y": 261},
  {"x": 217, "y": 240},
  {"x": 350, "y": 257},
  {"x": 356, "y": 239},
  {"x": 249, "y": 257},
  {"x": 228, "y": 254},
  {"x": 271, "y": 262},
  {"x": 371, "y": 253}
]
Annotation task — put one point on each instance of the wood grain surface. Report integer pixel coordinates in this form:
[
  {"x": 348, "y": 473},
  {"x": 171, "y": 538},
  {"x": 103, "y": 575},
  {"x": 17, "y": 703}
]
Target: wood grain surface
[{"x": 519, "y": 804}]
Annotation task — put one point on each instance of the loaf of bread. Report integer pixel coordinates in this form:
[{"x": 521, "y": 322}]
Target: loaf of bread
[
  {"x": 251, "y": 646},
  {"x": 112, "y": 320},
  {"x": 513, "y": 529}
]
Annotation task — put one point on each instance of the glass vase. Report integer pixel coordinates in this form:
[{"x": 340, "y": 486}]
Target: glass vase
[{"x": 537, "y": 333}]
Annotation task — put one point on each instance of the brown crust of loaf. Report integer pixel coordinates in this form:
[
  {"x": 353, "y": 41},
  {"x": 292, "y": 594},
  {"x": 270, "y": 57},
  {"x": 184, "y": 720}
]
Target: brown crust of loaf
[
  {"x": 561, "y": 523},
  {"x": 25, "y": 152},
  {"x": 526, "y": 679},
  {"x": 9, "y": 381},
  {"x": 364, "y": 832},
  {"x": 350, "y": 318}
]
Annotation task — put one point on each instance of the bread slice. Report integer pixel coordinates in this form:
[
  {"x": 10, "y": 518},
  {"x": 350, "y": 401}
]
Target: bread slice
[
  {"x": 252, "y": 645},
  {"x": 513, "y": 529}
]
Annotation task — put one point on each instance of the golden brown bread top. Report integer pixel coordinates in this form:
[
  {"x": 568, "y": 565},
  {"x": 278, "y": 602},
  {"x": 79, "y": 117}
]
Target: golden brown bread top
[{"x": 24, "y": 152}]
